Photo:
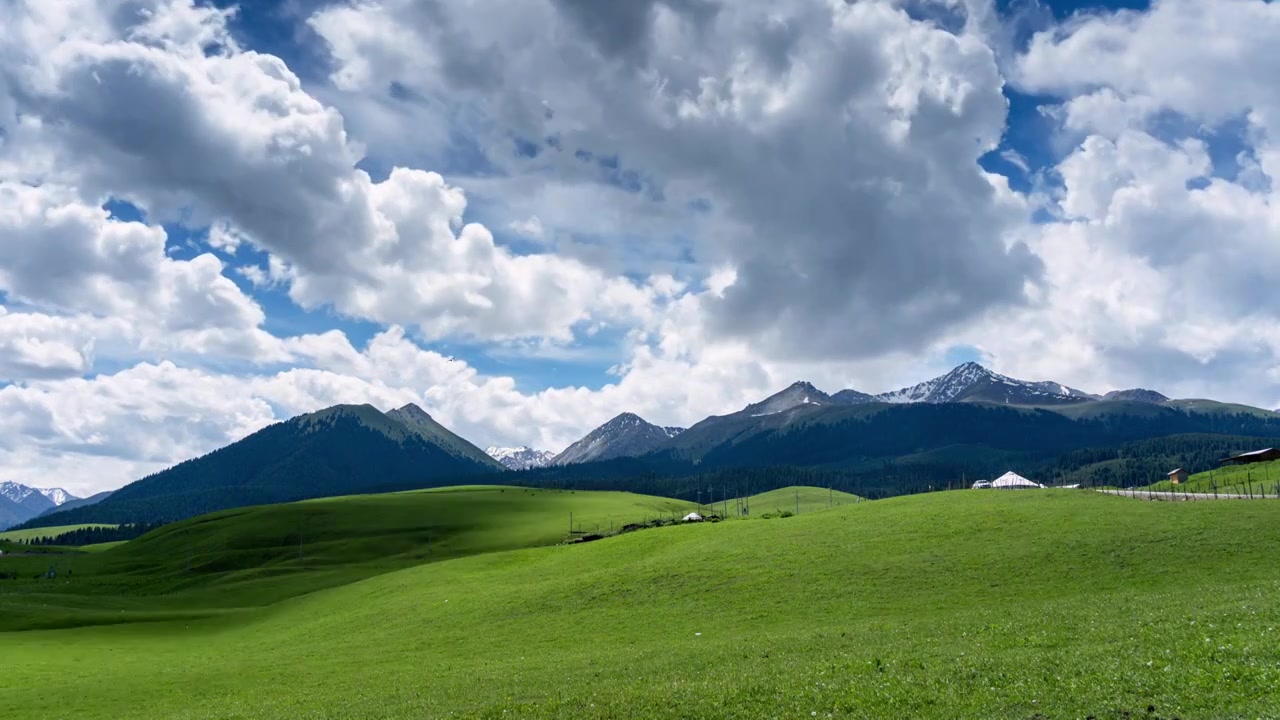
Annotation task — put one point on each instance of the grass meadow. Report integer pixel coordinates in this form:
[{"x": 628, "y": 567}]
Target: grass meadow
[{"x": 1033, "y": 604}]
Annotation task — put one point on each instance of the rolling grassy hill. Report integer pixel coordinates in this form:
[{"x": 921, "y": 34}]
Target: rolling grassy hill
[
  {"x": 254, "y": 556},
  {"x": 793, "y": 499},
  {"x": 1040, "y": 604},
  {"x": 45, "y": 531}
]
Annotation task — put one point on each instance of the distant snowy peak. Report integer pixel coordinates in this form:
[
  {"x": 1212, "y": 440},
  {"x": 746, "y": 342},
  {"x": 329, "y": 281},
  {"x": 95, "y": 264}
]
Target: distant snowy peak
[
  {"x": 972, "y": 382},
  {"x": 57, "y": 495},
  {"x": 520, "y": 458},
  {"x": 626, "y": 435},
  {"x": 969, "y": 382},
  {"x": 946, "y": 388},
  {"x": 19, "y": 503},
  {"x": 17, "y": 492}
]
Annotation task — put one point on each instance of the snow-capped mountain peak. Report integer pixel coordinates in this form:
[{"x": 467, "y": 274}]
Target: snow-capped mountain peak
[
  {"x": 17, "y": 492},
  {"x": 21, "y": 503},
  {"x": 520, "y": 458},
  {"x": 973, "y": 382},
  {"x": 945, "y": 388},
  {"x": 57, "y": 495}
]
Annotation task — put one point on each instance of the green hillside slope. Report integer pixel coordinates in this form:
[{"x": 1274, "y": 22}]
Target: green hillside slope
[
  {"x": 249, "y": 557},
  {"x": 793, "y": 500},
  {"x": 1255, "y": 478},
  {"x": 1043, "y": 604}
]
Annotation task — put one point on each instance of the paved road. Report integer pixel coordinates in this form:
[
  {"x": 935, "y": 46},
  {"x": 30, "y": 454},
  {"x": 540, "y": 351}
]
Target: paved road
[{"x": 1164, "y": 495}]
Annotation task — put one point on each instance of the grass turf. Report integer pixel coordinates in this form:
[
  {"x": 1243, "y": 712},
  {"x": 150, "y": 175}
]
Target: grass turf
[
  {"x": 1033, "y": 604},
  {"x": 100, "y": 547},
  {"x": 775, "y": 502},
  {"x": 255, "y": 556},
  {"x": 14, "y": 535}
]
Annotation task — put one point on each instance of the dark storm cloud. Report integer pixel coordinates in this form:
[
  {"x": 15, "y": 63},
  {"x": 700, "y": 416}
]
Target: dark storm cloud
[{"x": 623, "y": 28}]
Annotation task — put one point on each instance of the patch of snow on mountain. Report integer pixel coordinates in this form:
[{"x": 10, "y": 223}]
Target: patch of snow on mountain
[
  {"x": 16, "y": 492},
  {"x": 955, "y": 384},
  {"x": 520, "y": 458},
  {"x": 57, "y": 495},
  {"x": 798, "y": 394},
  {"x": 627, "y": 435}
]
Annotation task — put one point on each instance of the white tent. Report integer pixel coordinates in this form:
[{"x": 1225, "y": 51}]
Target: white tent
[
  {"x": 693, "y": 517},
  {"x": 982, "y": 485},
  {"x": 1012, "y": 480}
]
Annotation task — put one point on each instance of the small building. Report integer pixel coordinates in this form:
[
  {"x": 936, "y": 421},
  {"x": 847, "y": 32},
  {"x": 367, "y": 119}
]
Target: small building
[
  {"x": 1013, "y": 481},
  {"x": 1177, "y": 477},
  {"x": 693, "y": 517},
  {"x": 1264, "y": 455}
]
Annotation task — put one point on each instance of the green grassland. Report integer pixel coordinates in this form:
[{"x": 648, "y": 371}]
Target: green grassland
[
  {"x": 45, "y": 531},
  {"x": 1255, "y": 478},
  {"x": 12, "y": 549},
  {"x": 1036, "y": 604},
  {"x": 255, "y": 556},
  {"x": 100, "y": 547},
  {"x": 776, "y": 502}
]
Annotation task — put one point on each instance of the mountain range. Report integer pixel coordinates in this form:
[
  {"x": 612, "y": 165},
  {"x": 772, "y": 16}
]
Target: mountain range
[
  {"x": 965, "y": 423},
  {"x": 630, "y": 436},
  {"x": 521, "y": 458},
  {"x": 19, "y": 503}
]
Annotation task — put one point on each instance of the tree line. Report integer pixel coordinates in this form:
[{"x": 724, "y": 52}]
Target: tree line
[{"x": 93, "y": 535}]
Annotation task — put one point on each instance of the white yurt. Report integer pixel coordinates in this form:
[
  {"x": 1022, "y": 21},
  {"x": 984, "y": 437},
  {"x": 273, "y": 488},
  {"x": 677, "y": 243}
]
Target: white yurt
[
  {"x": 1013, "y": 481},
  {"x": 693, "y": 517}
]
